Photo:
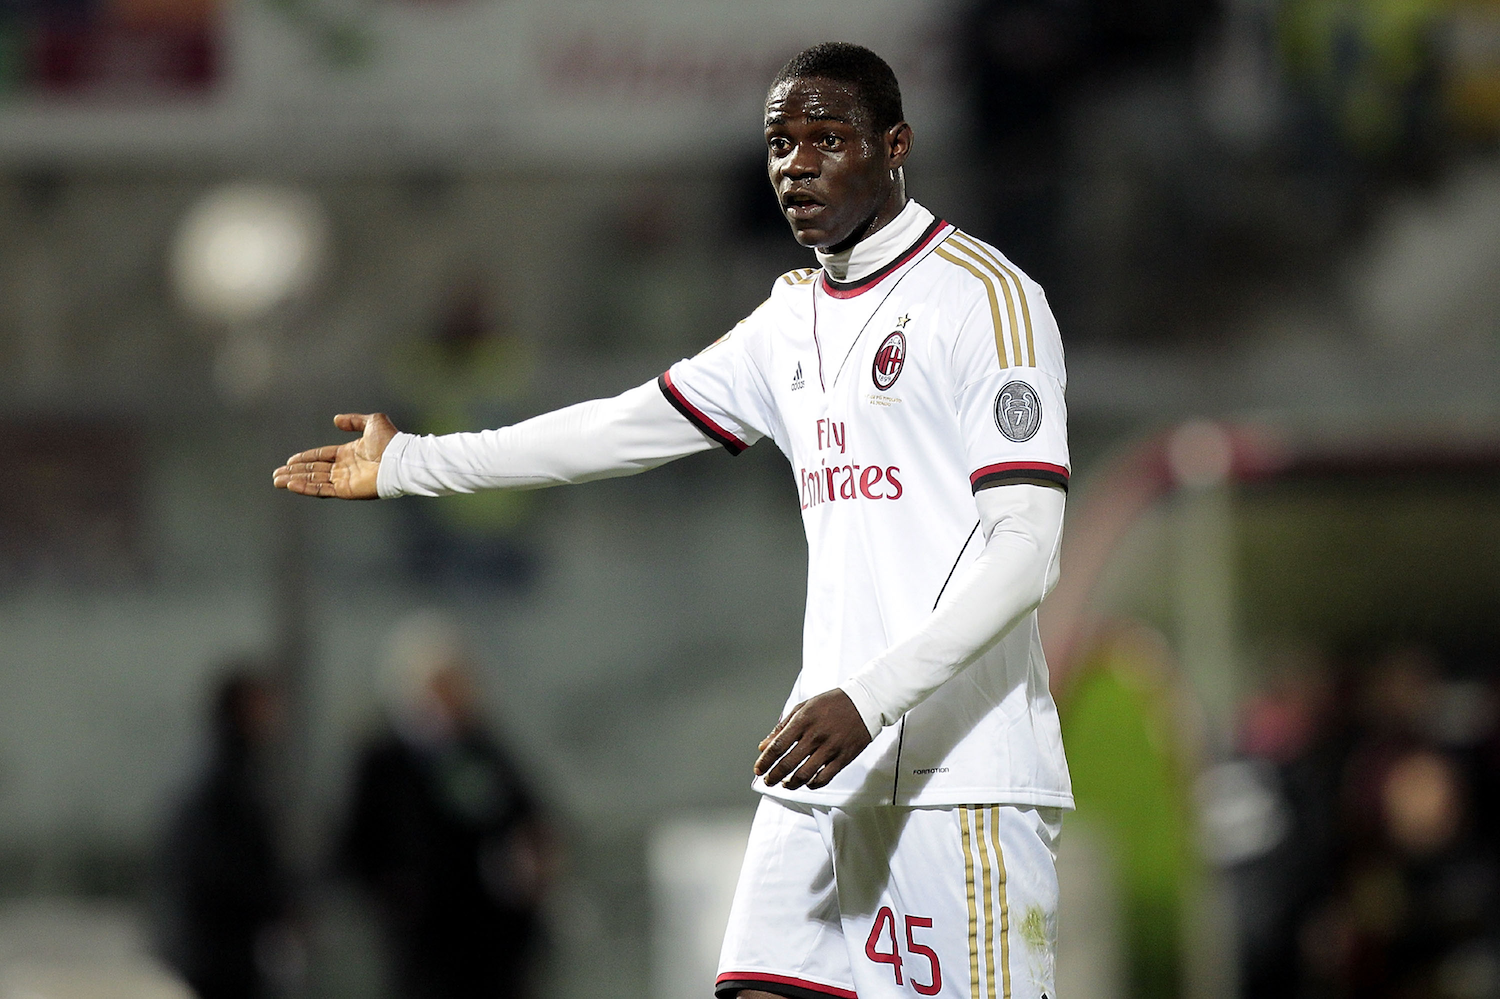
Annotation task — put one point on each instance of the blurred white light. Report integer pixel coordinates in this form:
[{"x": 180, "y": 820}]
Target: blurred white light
[
  {"x": 1426, "y": 277},
  {"x": 1240, "y": 812},
  {"x": 694, "y": 864},
  {"x": 245, "y": 249}
]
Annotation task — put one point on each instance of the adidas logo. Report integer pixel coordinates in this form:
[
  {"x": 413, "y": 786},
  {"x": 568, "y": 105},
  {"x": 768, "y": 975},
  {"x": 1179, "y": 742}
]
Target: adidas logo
[{"x": 797, "y": 377}]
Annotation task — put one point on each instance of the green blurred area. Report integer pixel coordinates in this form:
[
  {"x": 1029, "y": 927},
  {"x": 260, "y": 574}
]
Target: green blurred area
[{"x": 1130, "y": 781}]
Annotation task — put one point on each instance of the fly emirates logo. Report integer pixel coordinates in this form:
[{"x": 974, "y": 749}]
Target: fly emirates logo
[{"x": 836, "y": 479}]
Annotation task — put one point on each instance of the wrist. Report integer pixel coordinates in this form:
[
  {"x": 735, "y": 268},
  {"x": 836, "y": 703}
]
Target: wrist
[
  {"x": 865, "y": 703},
  {"x": 388, "y": 483}
]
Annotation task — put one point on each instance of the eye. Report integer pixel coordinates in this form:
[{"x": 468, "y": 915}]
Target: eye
[
  {"x": 779, "y": 145},
  {"x": 831, "y": 141}
]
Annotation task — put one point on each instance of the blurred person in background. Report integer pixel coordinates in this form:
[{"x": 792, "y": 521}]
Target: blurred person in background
[
  {"x": 225, "y": 896},
  {"x": 1411, "y": 900},
  {"x": 469, "y": 366},
  {"x": 1291, "y": 753},
  {"x": 443, "y": 831}
]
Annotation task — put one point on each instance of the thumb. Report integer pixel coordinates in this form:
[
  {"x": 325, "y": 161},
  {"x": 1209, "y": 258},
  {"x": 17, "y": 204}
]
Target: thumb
[{"x": 351, "y": 422}]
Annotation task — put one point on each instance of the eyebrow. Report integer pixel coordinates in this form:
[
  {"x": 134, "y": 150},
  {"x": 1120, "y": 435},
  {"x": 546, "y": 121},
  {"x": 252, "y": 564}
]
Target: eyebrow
[{"x": 777, "y": 119}]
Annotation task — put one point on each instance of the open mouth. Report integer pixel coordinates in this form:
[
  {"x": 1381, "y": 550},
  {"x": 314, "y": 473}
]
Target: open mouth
[{"x": 799, "y": 205}]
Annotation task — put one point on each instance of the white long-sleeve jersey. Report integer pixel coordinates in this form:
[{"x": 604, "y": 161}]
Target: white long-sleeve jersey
[{"x": 901, "y": 399}]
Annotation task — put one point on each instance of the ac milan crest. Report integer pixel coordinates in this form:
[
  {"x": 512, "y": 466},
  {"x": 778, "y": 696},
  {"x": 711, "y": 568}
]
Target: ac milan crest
[{"x": 889, "y": 360}]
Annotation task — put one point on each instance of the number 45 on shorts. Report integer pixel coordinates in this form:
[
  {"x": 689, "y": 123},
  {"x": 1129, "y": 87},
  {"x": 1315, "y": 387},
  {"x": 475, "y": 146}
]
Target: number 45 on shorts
[{"x": 883, "y": 934}]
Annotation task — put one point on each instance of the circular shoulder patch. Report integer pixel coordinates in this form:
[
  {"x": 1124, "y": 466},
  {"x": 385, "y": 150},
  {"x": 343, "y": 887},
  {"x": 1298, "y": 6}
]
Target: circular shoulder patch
[{"x": 1018, "y": 411}]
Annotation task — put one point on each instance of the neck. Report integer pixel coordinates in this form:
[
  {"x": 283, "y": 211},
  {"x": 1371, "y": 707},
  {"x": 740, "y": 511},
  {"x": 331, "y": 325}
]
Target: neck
[{"x": 879, "y": 247}]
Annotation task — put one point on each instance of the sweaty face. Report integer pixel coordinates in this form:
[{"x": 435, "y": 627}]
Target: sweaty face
[{"x": 833, "y": 172}]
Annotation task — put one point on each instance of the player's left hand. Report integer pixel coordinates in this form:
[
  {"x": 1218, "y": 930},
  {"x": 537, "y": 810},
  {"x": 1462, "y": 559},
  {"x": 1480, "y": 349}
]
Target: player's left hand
[{"x": 813, "y": 742}]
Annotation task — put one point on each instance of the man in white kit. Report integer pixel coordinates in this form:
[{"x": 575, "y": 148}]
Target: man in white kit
[{"x": 913, "y": 789}]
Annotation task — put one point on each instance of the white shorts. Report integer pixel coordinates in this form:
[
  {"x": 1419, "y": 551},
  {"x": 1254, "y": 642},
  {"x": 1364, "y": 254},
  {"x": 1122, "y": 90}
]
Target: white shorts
[{"x": 958, "y": 902}]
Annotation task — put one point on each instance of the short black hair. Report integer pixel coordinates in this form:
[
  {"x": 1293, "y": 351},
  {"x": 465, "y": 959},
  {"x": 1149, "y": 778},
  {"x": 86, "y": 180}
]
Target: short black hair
[{"x": 871, "y": 77}]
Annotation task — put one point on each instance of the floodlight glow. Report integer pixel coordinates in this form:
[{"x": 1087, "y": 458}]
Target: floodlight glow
[{"x": 245, "y": 249}]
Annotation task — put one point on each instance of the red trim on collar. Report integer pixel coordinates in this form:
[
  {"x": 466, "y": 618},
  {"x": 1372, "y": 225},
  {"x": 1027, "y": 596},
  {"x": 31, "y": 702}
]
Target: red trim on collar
[{"x": 839, "y": 289}]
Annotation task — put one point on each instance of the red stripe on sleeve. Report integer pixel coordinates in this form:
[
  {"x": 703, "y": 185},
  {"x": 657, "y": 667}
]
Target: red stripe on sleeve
[
  {"x": 697, "y": 417},
  {"x": 1019, "y": 471}
]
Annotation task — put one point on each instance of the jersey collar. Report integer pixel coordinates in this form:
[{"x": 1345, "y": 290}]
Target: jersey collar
[{"x": 874, "y": 258}]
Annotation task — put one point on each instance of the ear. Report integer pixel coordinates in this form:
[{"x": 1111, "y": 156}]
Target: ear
[{"x": 898, "y": 144}]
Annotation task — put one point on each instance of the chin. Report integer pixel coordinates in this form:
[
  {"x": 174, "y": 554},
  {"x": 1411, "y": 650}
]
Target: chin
[
  {"x": 815, "y": 236},
  {"x": 809, "y": 236},
  {"x": 816, "y": 239}
]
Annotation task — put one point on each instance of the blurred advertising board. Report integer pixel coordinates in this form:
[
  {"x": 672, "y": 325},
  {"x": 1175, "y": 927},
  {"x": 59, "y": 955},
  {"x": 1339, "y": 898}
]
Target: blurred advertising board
[{"x": 412, "y": 83}]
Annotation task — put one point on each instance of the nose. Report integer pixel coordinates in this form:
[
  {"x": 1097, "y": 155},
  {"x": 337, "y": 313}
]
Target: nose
[{"x": 803, "y": 162}]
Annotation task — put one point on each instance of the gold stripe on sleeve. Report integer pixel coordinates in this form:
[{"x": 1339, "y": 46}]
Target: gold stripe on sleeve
[
  {"x": 989, "y": 287},
  {"x": 1010, "y": 302},
  {"x": 963, "y": 822},
  {"x": 1020, "y": 292},
  {"x": 1004, "y": 902}
]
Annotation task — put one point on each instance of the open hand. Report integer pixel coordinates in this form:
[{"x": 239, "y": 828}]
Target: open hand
[
  {"x": 340, "y": 471},
  {"x": 813, "y": 742}
]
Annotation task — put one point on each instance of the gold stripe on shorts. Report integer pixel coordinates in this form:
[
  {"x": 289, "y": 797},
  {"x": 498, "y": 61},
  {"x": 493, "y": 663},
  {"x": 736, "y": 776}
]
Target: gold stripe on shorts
[
  {"x": 1004, "y": 902},
  {"x": 990, "y": 885},
  {"x": 963, "y": 824},
  {"x": 989, "y": 905}
]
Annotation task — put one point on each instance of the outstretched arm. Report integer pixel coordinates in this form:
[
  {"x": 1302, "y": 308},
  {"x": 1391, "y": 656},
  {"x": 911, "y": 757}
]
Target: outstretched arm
[
  {"x": 1022, "y": 525},
  {"x": 604, "y": 438}
]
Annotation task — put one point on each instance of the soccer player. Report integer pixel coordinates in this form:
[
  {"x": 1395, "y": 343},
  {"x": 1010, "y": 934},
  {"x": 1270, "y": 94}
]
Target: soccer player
[{"x": 913, "y": 788}]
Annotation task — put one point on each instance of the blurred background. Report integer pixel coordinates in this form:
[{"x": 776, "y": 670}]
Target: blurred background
[{"x": 255, "y": 746}]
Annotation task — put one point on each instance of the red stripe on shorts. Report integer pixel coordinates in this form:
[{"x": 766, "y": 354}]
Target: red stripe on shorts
[{"x": 761, "y": 976}]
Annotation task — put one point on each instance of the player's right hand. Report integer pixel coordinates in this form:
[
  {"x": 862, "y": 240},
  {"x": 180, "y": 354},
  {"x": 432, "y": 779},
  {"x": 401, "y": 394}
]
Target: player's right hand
[{"x": 340, "y": 471}]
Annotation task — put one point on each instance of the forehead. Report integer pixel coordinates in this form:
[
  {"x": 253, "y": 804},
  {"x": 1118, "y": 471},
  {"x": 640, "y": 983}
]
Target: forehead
[{"x": 814, "y": 98}]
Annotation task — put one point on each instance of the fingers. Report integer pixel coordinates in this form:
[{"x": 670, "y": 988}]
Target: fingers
[
  {"x": 812, "y": 764},
  {"x": 306, "y": 485},
  {"x": 774, "y": 745},
  {"x": 354, "y": 423},
  {"x": 309, "y": 478},
  {"x": 816, "y": 740},
  {"x": 328, "y": 452},
  {"x": 782, "y": 769},
  {"x": 320, "y": 469},
  {"x": 777, "y": 730},
  {"x": 828, "y": 770},
  {"x": 302, "y": 470},
  {"x": 791, "y": 755}
]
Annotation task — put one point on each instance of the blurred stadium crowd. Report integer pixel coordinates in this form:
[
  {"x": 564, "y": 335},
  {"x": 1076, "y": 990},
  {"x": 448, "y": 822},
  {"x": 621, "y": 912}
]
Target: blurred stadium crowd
[
  {"x": 1371, "y": 868},
  {"x": 220, "y": 224}
]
